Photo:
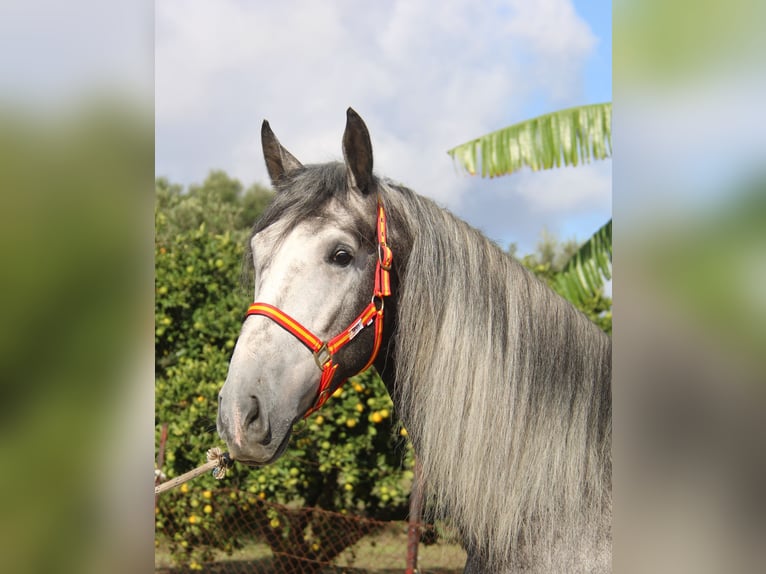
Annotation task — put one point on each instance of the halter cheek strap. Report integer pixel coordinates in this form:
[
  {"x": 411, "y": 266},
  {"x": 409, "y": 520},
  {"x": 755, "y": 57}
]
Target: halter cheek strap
[{"x": 372, "y": 314}]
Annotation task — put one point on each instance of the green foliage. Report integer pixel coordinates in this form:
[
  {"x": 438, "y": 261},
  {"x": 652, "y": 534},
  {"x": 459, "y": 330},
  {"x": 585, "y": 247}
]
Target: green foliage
[
  {"x": 566, "y": 137},
  {"x": 349, "y": 457},
  {"x": 549, "y": 262},
  {"x": 585, "y": 272}
]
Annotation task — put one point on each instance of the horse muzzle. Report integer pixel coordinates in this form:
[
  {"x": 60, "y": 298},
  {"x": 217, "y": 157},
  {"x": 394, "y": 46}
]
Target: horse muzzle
[{"x": 245, "y": 426}]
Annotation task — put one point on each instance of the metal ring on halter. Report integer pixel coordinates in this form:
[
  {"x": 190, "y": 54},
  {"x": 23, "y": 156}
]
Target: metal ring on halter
[
  {"x": 378, "y": 299},
  {"x": 322, "y": 356}
]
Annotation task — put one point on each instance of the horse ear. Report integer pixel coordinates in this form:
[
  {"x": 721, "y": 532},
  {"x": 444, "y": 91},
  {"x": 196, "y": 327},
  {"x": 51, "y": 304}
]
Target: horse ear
[
  {"x": 357, "y": 151},
  {"x": 278, "y": 160}
]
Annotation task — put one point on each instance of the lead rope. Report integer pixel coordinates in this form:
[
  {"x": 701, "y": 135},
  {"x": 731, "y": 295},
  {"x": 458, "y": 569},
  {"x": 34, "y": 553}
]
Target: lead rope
[{"x": 217, "y": 461}]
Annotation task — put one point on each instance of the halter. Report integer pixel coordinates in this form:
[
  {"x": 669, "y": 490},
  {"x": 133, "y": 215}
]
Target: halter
[{"x": 372, "y": 314}]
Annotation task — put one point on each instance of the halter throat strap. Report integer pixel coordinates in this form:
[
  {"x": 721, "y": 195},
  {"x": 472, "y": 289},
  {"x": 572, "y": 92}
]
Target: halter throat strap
[{"x": 324, "y": 351}]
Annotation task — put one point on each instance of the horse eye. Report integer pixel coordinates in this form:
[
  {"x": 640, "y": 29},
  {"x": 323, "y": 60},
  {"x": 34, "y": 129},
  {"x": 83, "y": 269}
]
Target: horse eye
[{"x": 341, "y": 257}]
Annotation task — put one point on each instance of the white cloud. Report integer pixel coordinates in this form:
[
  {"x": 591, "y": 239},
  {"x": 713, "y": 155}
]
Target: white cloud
[
  {"x": 568, "y": 189},
  {"x": 425, "y": 76},
  {"x": 557, "y": 41}
]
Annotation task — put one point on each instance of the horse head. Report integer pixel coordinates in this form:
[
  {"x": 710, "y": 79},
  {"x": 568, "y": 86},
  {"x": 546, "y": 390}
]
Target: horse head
[{"x": 316, "y": 258}]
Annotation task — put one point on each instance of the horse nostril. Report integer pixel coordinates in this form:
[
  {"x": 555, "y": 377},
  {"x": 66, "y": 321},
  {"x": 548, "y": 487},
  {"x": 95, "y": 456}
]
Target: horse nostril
[{"x": 253, "y": 413}]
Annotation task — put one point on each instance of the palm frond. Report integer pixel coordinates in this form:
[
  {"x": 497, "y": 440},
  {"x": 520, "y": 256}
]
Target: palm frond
[
  {"x": 588, "y": 269},
  {"x": 567, "y": 137}
]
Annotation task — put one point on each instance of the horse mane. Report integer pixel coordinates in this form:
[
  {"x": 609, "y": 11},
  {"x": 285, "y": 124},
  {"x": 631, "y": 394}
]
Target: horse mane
[{"x": 504, "y": 387}]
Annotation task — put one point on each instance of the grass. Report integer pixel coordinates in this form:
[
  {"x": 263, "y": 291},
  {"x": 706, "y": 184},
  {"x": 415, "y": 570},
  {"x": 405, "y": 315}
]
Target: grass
[{"x": 383, "y": 553}]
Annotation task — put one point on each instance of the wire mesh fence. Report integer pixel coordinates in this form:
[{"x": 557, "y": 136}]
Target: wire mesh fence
[{"x": 259, "y": 536}]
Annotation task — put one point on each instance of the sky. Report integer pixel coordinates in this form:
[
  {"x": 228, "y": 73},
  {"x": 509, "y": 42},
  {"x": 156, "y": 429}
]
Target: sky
[{"x": 425, "y": 76}]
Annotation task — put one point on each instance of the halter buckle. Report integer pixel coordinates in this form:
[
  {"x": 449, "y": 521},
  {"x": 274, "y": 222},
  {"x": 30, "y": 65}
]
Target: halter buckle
[{"x": 322, "y": 356}]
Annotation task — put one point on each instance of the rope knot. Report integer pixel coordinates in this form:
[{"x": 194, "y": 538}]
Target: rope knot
[{"x": 222, "y": 460}]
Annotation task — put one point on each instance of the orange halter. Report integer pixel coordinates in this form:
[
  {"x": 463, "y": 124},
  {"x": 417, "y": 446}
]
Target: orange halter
[{"x": 372, "y": 314}]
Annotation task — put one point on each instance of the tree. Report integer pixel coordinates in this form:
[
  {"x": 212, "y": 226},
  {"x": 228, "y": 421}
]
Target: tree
[{"x": 567, "y": 137}]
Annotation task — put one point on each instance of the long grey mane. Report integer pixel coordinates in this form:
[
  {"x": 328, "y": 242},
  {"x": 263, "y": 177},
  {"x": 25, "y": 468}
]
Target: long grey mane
[{"x": 505, "y": 389}]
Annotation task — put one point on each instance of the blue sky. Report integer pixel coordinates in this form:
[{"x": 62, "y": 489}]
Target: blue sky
[
  {"x": 598, "y": 69},
  {"x": 425, "y": 76}
]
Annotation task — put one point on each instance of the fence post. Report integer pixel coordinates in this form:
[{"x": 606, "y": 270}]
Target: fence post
[{"x": 413, "y": 530}]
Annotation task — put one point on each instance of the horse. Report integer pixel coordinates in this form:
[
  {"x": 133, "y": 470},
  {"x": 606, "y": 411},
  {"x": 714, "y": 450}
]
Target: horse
[{"x": 504, "y": 387}]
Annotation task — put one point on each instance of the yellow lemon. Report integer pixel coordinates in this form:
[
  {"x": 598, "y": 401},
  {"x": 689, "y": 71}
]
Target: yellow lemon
[
  {"x": 319, "y": 420},
  {"x": 403, "y": 432},
  {"x": 274, "y": 523},
  {"x": 350, "y": 423},
  {"x": 207, "y": 494},
  {"x": 375, "y": 417},
  {"x": 193, "y": 519},
  {"x": 208, "y": 509},
  {"x": 359, "y": 407},
  {"x": 184, "y": 488},
  {"x": 384, "y": 413}
]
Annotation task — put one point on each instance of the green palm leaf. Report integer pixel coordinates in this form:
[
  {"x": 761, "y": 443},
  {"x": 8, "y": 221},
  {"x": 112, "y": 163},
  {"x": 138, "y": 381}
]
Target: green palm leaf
[
  {"x": 587, "y": 270},
  {"x": 567, "y": 137}
]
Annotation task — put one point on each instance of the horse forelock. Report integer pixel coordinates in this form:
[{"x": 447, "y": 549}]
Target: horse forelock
[
  {"x": 504, "y": 388},
  {"x": 314, "y": 192}
]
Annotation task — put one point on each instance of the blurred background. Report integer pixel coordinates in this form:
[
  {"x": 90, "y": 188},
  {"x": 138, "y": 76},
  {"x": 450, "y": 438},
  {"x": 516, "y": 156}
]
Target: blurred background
[
  {"x": 76, "y": 245},
  {"x": 77, "y": 177},
  {"x": 690, "y": 258}
]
